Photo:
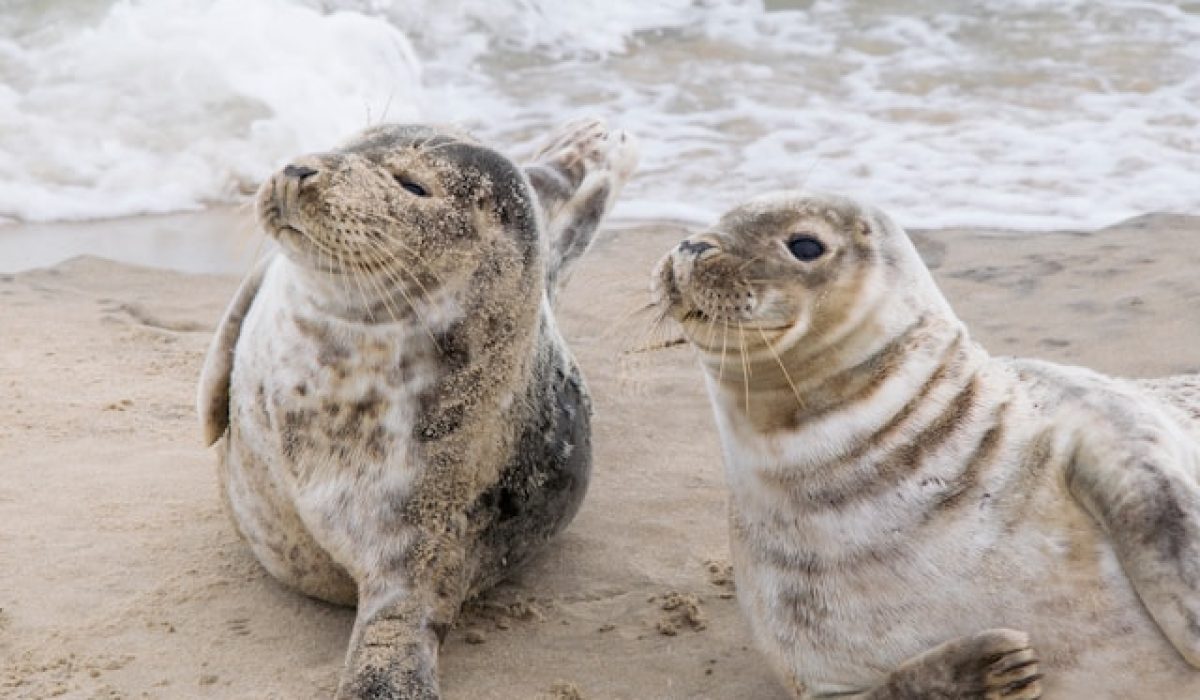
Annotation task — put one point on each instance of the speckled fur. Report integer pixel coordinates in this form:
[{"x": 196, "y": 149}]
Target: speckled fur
[
  {"x": 399, "y": 421},
  {"x": 913, "y": 518}
]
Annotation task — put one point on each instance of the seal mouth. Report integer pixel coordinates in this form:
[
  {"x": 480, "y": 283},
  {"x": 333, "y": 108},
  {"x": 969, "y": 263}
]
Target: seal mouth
[
  {"x": 696, "y": 318},
  {"x": 314, "y": 255}
]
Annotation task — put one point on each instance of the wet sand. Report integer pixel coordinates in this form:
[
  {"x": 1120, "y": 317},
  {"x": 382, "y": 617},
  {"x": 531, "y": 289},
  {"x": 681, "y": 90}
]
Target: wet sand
[{"x": 120, "y": 576}]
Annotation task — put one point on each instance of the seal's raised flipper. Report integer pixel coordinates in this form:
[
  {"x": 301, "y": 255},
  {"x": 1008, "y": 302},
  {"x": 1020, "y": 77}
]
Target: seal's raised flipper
[
  {"x": 577, "y": 175},
  {"x": 1141, "y": 484},
  {"x": 996, "y": 664},
  {"x": 212, "y": 398}
]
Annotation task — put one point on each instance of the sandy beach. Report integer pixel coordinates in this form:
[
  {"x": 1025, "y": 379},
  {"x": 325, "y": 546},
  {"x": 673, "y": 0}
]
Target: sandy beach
[{"x": 121, "y": 577}]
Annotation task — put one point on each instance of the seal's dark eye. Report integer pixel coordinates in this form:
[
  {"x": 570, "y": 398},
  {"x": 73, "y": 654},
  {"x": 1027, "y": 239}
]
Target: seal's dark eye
[
  {"x": 412, "y": 186},
  {"x": 806, "y": 248}
]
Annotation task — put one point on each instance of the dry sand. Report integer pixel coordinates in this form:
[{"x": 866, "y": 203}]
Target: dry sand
[{"x": 121, "y": 577}]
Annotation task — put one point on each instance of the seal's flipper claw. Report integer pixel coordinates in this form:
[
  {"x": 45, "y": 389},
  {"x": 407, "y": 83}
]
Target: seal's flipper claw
[{"x": 996, "y": 664}]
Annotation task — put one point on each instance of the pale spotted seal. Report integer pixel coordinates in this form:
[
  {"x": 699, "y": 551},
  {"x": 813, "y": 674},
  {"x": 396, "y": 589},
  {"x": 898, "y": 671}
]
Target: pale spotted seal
[
  {"x": 400, "y": 422},
  {"x": 912, "y": 518}
]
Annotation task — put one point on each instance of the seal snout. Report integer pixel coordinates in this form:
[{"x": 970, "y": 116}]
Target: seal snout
[
  {"x": 280, "y": 197},
  {"x": 700, "y": 281},
  {"x": 686, "y": 256}
]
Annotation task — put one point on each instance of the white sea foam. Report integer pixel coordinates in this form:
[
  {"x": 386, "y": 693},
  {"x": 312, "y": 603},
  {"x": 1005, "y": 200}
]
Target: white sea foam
[
  {"x": 165, "y": 105},
  {"x": 1028, "y": 113}
]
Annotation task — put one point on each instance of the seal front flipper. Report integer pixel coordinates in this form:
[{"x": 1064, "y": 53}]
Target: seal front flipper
[
  {"x": 577, "y": 175},
  {"x": 1140, "y": 484},
  {"x": 393, "y": 652},
  {"x": 212, "y": 397},
  {"x": 996, "y": 664}
]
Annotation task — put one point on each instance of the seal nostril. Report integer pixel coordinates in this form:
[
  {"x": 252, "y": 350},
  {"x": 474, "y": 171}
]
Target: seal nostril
[
  {"x": 299, "y": 172},
  {"x": 695, "y": 248}
]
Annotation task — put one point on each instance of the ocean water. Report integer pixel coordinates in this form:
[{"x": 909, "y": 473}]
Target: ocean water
[{"x": 1013, "y": 113}]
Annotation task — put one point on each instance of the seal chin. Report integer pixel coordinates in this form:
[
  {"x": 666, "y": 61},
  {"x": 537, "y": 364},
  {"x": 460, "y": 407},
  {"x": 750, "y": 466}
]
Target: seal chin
[{"x": 718, "y": 339}]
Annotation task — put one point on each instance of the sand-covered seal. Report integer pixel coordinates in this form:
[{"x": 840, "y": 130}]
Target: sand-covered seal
[
  {"x": 911, "y": 517},
  {"x": 399, "y": 421}
]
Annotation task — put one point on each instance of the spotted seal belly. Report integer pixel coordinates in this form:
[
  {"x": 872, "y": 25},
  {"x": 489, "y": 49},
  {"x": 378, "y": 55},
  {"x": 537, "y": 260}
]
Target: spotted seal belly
[
  {"x": 398, "y": 419},
  {"x": 911, "y": 517}
]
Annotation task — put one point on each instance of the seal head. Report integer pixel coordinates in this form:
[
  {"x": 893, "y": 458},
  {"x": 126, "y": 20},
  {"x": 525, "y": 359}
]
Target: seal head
[
  {"x": 793, "y": 267},
  {"x": 405, "y": 210}
]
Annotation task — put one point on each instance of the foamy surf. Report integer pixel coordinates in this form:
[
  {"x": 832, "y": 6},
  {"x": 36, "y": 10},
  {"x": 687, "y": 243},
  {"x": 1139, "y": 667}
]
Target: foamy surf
[
  {"x": 1030, "y": 114},
  {"x": 167, "y": 105}
]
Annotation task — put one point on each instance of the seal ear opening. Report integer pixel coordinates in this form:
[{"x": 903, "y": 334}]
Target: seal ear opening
[{"x": 212, "y": 395}]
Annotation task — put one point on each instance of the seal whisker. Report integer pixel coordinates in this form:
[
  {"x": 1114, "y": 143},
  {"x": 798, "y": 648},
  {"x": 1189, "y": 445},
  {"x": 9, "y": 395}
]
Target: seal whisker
[
  {"x": 749, "y": 262},
  {"x": 343, "y": 279},
  {"x": 385, "y": 261},
  {"x": 643, "y": 339},
  {"x": 745, "y": 365},
  {"x": 387, "y": 105},
  {"x": 808, "y": 174},
  {"x": 427, "y": 150},
  {"x": 655, "y": 335},
  {"x": 778, "y": 360},
  {"x": 628, "y": 316},
  {"x": 657, "y": 328},
  {"x": 417, "y": 258},
  {"x": 355, "y": 273},
  {"x": 424, "y": 143},
  {"x": 710, "y": 339},
  {"x": 399, "y": 286},
  {"x": 390, "y": 256},
  {"x": 643, "y": 324},
  {"x": 391, "y": 273},
  {"x": 401, "y": 268},
  {"x": 724, "y": 348},
  {"x": 348, "y": 268},
  {"x": 394, "y": 282},
  {"x": 333, "y": 267},
  {"x": 379, "y": 288},
  {"x": 710, "y": 325}
]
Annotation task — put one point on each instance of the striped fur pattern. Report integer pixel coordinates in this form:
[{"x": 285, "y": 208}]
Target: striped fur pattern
[
  {"x": 913, "y": 518},
  {"x": 398, "y": 420}
]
